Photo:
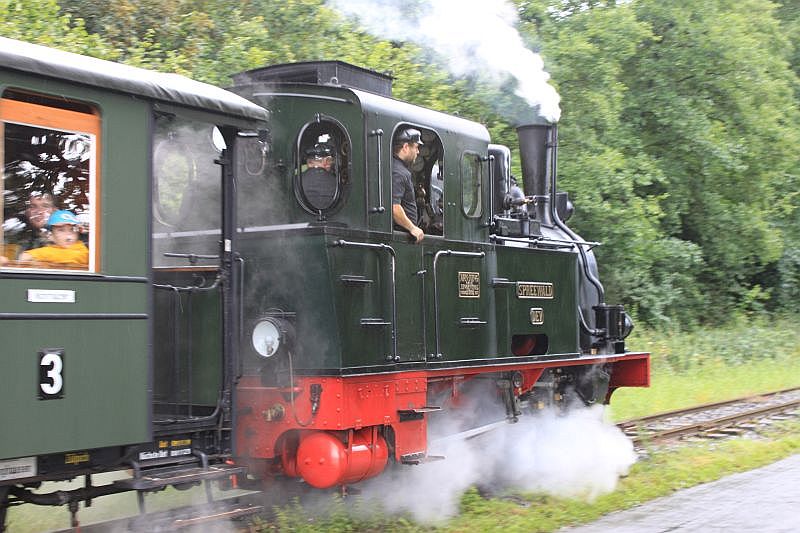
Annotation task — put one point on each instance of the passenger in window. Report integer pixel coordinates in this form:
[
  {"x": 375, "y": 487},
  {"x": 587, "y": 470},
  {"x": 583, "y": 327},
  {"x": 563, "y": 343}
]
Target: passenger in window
[
  {"x": 66, "y": 250},
  {"x": 318, "y": 182},
  {"x": 404, "y": 205},
  {"x": 26, "y": 229}
]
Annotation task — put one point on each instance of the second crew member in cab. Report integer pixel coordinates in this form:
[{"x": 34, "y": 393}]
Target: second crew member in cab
[
  {"x": 318, "y": 182},
  {"x": 405, "y": 149}
]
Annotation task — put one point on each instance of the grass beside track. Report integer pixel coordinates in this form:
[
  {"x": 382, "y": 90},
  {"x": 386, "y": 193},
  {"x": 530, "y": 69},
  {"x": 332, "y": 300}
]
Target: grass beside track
[{"x": 745, "y": 357}]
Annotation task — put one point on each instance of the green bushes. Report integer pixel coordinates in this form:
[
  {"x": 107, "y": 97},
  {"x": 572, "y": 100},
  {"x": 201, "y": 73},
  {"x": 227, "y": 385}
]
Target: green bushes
[{"x": 749, "y": 355}]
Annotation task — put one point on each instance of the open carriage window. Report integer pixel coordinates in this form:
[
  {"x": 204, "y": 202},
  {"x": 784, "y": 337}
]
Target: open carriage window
[
  {"x": 49, "y": 181},
  {"x": 323, "y": 166}
]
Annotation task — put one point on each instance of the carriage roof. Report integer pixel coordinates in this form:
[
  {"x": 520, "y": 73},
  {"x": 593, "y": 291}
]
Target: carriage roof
[{"x": 172, "y": 88}]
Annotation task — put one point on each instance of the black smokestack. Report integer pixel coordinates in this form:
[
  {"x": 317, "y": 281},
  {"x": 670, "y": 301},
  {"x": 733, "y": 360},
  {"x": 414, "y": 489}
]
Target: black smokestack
[{"x": 537, "y": 144}]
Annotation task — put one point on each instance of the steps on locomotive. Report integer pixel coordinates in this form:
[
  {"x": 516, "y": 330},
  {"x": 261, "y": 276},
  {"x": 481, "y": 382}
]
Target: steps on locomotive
[
  {"x": 420, "y": 458},
  {"x": 160, "y": 477},
  {"x": 195, "y": 518}
]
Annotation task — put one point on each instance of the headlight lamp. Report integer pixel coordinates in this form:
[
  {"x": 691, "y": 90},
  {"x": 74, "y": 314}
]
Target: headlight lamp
[{"x": 267, "y": 337}]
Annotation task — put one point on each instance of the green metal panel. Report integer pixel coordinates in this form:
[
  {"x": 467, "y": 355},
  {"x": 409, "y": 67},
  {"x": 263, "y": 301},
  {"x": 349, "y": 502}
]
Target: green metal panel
[
  {"x": 288, "y": 271},
  {"x": 187, "y": 329},
  {"x": 457, "y": 225},
  {"x": 125, "y": 189},
  {"x": 559, "y": 312},
  {"x": 362, "y": 285},
  {"x": 410, "y": 312},
  {"x": 464, "y": 323},
  {"x": 105, "y": 400},
  {"x": 277, "y": 203}
]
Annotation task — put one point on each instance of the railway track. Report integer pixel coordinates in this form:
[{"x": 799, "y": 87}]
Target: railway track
[{"x": 714, "y": 420}]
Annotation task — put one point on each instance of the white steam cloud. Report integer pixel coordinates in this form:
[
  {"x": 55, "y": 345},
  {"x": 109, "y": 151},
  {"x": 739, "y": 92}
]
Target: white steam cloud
[
  {"x": 473, "y": 37},
  {"x": 577, "y": 455}
]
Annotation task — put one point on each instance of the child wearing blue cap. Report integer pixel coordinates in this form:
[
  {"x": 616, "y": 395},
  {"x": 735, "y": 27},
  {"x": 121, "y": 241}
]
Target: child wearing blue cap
[{"x": 66, "y": 249}]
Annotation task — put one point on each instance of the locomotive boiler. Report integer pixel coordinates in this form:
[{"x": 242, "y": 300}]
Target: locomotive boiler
[{"x": 238, "y": 318}]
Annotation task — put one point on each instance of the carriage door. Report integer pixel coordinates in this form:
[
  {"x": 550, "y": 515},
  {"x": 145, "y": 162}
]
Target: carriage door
[{"x": 187, "y": 199}]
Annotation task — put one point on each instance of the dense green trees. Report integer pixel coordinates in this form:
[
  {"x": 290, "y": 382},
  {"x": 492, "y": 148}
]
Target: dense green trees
[
  {"x": 679, "y": 130},
  {"x": 679, "y": 134}
]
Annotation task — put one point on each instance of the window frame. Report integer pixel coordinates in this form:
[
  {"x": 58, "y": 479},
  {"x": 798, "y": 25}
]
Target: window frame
[
  {"x": 477, "y": 213},
  {"x": 59, "y": 119},
  {"x": 344, "y": 169}
]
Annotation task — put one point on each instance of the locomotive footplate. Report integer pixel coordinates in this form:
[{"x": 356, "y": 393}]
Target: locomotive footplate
[
  {"x": 416, "y": 414},
  {"x": 157, "y": 478},
  {"x": 180, "y": 518},
  {"x": 419, "y": 458}
]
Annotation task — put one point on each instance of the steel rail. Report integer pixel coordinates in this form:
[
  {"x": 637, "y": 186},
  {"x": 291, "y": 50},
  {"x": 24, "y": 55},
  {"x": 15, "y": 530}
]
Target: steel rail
[
  {"x": 700, "y": 427},
  {"x": 703, "y": 407}
]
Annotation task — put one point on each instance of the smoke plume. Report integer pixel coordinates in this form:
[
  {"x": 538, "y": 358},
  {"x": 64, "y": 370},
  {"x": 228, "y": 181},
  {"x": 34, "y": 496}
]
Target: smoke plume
[{"x": 473, "y": 37}]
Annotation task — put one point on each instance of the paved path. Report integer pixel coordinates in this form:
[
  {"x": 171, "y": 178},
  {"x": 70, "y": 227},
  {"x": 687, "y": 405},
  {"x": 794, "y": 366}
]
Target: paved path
[{"x": 766, "y": 500}]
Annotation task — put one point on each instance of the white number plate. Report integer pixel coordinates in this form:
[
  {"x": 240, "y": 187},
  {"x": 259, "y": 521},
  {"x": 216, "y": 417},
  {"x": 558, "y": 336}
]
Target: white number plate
[
  {"x": 51, "y": 296},
  {"x": 17, "y": 468},
  {"x": 51, "y": 374}
]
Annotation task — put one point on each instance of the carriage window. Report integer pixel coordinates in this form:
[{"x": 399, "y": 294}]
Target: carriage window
[
  {"x": 471, "y": 184},
  {"x": 49, "y": 179},
  {"x": 187, "y": 189},
  {"x": 323, "y": 152}
]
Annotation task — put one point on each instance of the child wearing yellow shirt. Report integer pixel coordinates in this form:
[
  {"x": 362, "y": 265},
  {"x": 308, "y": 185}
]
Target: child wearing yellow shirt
[{"x": 66, "y": 248}]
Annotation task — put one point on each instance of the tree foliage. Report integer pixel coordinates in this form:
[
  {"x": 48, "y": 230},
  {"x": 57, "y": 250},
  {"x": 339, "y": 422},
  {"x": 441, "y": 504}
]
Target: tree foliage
[{"x": 678, "y": 137}]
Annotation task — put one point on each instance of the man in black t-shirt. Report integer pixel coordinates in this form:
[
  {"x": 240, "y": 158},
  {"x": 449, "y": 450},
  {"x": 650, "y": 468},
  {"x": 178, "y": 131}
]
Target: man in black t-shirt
[{"x": 404, "y": 205}]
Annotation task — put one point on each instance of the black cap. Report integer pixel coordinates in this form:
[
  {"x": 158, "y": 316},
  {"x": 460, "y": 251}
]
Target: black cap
[
  {"x": 409, "y": 135},
  {"x": 320, "y": 150}
]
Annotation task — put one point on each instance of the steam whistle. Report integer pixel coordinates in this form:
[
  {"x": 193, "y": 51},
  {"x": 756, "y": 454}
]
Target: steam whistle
[{"x": 510, "y": 202}]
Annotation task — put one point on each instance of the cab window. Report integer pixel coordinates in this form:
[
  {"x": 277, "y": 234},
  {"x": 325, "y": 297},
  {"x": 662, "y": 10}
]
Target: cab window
[
  {"x": 427, "y": 175},
  {"x": 50, "y": 173},
  {"x": 471, "y": 184},
  {"x": 322, "y": 171}
]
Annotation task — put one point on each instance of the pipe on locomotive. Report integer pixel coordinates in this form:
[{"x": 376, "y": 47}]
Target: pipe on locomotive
[{"x": 538, "y": 146}]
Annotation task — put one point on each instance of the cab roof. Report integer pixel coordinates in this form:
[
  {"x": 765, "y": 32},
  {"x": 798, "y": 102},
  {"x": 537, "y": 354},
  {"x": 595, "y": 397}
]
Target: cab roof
[{"x": 172, "y": 88}]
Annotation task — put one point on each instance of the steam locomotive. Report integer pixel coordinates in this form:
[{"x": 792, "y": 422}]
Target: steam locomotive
[{"x": 232, "y": 321}]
